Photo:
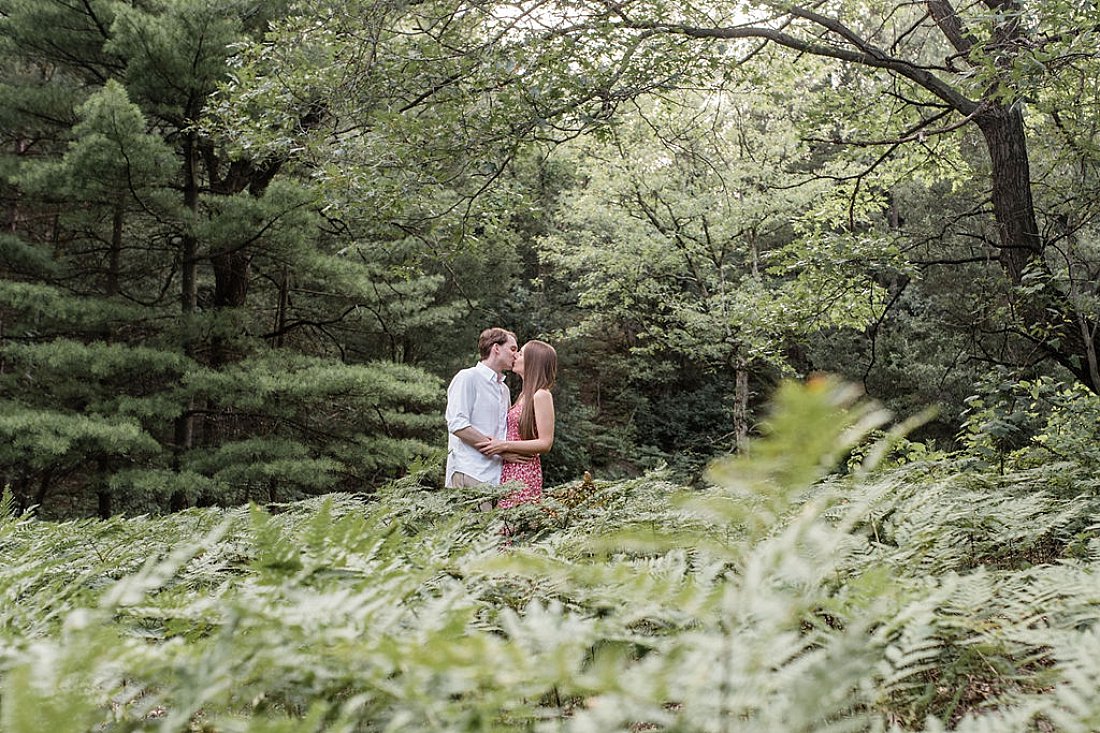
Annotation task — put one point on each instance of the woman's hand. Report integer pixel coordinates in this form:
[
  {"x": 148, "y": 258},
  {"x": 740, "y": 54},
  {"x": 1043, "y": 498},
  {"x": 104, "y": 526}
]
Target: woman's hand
[{"x": 493, "y": 447}]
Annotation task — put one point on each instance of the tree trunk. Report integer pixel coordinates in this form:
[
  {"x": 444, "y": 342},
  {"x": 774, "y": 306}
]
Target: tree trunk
[
  {"x": 284, "y": 305},
  {"x": 104, "y": 503},
  {"x": 1067, "y": 336},
  {"x": 231, "y": 271},
  {"x": 232, "y": 267},
  {"x": 184, "y": 429},
  {"x": 114, "y": 264},
  {"x": 188, "y": 245},
  {"x": 741, "y": 406},
  {"x": 44, "y": 485},
  {"x": 105, "y": 509},
  {"x": 1020, "y": 243}
]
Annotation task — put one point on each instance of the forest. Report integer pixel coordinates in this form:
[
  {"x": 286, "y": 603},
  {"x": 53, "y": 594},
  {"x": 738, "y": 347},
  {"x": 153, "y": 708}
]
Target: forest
[{"x": 824, "y": 280}]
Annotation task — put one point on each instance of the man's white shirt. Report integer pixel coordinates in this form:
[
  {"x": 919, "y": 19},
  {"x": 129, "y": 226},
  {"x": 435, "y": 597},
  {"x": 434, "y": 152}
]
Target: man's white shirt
[{"x": 476, "y": 397}]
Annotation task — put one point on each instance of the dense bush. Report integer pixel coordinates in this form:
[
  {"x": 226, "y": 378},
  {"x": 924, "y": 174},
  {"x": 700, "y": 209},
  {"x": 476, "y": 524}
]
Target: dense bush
[{"x": 919, "y": 598}]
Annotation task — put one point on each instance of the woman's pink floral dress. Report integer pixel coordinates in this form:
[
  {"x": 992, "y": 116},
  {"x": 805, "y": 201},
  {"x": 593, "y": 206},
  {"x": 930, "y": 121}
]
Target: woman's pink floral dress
[{"x": 529, "y": 473}]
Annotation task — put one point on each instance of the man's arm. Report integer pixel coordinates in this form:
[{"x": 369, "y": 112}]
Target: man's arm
[
  {"x": 461, "y": 394},
  {"x": 544, "y": 425},
  {"x": 471, "y": 435},
  {"x": 460, "y": 400},
  {"x": 474, "y": 437}
]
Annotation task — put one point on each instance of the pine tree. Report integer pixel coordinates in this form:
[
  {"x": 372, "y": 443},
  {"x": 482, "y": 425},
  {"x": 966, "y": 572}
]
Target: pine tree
[{"x": 168, "y": 305}]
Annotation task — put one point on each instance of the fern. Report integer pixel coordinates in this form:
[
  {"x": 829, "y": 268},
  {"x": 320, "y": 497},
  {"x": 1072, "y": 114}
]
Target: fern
[{"x": 783, "y": 597}]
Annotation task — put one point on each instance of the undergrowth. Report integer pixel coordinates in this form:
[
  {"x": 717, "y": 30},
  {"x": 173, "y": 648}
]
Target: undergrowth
[{"x": 930, "y": 596}]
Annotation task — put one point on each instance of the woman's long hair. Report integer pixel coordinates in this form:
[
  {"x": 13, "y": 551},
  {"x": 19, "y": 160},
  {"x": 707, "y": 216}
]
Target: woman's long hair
[{"x": 540, "y": 370}]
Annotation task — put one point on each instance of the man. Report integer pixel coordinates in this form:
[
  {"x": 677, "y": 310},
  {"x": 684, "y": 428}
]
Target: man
[{"x": 477, "y": 409}]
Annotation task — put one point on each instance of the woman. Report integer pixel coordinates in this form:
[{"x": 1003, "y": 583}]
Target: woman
[{"x": 530, "y": 422}]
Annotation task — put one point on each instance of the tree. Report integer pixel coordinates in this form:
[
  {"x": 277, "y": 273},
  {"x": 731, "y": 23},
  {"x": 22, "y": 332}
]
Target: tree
[
  {"x": 892, "y": 132},
  {"x": 408, "y": 145},
  {"x": 166, "y": 302},
  {"x": 941, "y": 70},
  {"x": 685, "y": 237}
]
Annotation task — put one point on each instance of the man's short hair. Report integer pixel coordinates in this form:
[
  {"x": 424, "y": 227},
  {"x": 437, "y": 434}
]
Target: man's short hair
[{"x": 491, "y": 336}]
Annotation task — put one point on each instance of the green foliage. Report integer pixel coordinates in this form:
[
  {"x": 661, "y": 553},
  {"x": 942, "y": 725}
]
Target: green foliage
[
  {"x": 234, "y": 230},
  {"x": 181, "y": 324},
  {"x": 376, "y": 417},
  {"x": 326, "y": 425},
  {"x": 1072, "y": 427},
  {"x": 924, "y": 598},
  {"x": 681, "y": 235},
  {"x": 46, "y": 307},
  {"x": 47, "y": 440},
  {"x": 1030, "y": 422},
  {"x": 100, "y": 378},
  {"x": 112, "y": 156}
]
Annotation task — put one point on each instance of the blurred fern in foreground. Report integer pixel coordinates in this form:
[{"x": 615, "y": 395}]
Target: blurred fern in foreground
[{"x": 783, "y": 598}]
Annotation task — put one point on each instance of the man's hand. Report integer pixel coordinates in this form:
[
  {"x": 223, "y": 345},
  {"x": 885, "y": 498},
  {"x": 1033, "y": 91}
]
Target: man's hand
[{"x": 510, "y": 457}]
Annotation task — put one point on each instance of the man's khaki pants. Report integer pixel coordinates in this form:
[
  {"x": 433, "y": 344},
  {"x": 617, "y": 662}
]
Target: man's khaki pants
[{"x": 459, "y": 480}]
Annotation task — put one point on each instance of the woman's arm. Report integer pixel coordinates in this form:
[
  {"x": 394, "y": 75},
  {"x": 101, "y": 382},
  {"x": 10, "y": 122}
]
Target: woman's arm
[{"x": 544, "y": 426}]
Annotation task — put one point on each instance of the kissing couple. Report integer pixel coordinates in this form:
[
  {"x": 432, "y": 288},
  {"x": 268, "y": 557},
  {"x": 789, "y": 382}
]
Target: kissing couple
[{"x": 491, "y": 440}]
